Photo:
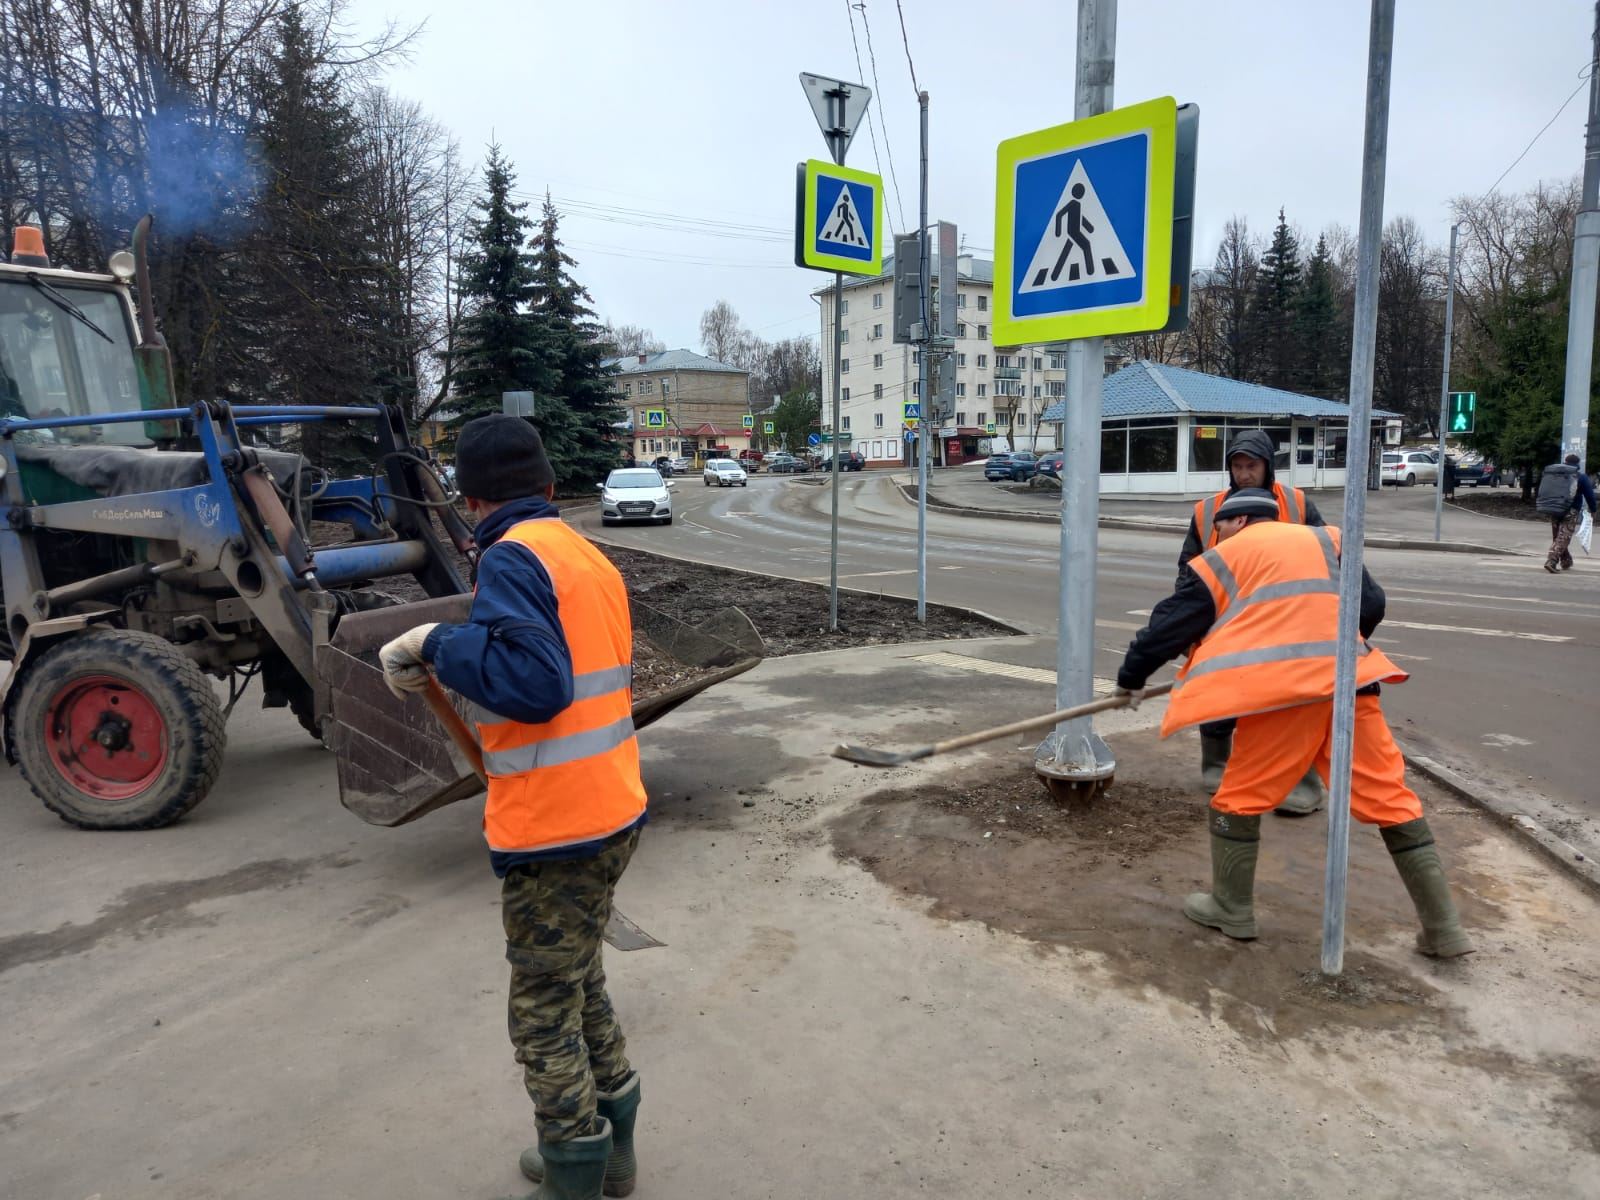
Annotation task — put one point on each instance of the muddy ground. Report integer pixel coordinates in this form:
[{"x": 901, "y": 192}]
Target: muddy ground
[
  {"x": 1497, "y": 502},
  {"x": 1109, "y": 876}
]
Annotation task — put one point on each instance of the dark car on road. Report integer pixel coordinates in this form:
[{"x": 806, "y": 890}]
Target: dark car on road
[
  {"x": 1019, "y": 466},
  {"x": 785, "y": 464},
  {"x": 663, "y": 464},
  {"x": 1050, "y": 464},
  {"x": 849, "y": 461},
  {"x": 1478, "y": 472}
]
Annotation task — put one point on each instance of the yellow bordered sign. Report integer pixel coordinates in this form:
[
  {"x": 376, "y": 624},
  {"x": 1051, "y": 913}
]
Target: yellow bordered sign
[
  {"x": 1083, "y": 227},
  {"x": 655, "y": 418},
  {"x": 838, "y": 219}
]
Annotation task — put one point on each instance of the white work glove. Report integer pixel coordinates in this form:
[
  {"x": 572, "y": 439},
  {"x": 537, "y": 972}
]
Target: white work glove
[
  {"x": 1133, "y": 695},
  {"x": 403, "y": 667}
]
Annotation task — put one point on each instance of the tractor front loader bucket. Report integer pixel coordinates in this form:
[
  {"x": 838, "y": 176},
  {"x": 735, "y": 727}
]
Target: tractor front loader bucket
[{"x": 396, "y": 764}]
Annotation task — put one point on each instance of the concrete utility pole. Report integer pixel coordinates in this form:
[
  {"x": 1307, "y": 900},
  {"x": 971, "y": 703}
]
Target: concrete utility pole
[
  {"x": 1585, "y": 277},
  {"x": 1444, "y": 388},
  {"x": 924, "y": 376},
  {"x": 1074, "y": 758},
  {"x": 1363, "y": 355}
]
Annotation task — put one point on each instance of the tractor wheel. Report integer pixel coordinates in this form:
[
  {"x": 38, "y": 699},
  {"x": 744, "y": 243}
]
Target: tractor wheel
[
  {"x": 117, "y": 730},
  {"x": 303, "y": 704}
]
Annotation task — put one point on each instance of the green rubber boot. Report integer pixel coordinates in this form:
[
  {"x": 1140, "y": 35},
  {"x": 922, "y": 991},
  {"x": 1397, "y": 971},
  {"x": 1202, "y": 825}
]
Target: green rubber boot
[
  {"x": 1305, "y": 798},
  {"x": 1417, "y": 859},
  {"x": 574, "y": 1169},
  {"x": 1230, "y": 904},
  {"x": 1214, "y": 752},
  {"x": 621, "y": 1109}
]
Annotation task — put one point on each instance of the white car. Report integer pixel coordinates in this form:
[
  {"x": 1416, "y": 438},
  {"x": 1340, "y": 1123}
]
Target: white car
[
  {"x": 725, "y": 472},
  {"x": 635, "y": 494},
  {"x": 1407, "y": 468}
]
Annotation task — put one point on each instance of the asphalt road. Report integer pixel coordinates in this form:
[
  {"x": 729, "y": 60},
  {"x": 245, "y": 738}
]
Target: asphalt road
[{"x": 1504, "y": 656}]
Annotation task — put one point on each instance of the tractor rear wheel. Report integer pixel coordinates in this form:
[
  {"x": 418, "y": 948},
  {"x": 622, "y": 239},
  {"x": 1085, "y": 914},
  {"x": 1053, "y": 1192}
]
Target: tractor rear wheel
[{"x": 115, "y": 729}]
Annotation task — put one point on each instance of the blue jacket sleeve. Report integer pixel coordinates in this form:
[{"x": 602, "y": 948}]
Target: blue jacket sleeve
[{"x": 511, "y": 655}]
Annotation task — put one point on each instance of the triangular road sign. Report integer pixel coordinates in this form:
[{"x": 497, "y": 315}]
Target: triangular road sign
[
  {"x": 839, "y": 107},
  {"x": 1079, "y": 245},
  {"x": 843, "y": 222}
]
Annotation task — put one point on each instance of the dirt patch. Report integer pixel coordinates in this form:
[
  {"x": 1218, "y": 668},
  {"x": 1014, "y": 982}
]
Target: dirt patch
[
  {"x": 1109, "y": 877},
  {"x": 1498, "y": 502},
  {"x": 791, "y": 616}
]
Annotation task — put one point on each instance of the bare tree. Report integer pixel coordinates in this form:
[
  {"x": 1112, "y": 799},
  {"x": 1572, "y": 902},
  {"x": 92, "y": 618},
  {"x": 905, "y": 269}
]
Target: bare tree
[
  {"x": 633, "y": 339},
  {"x": 1233, "y": 283},
  {"x": 723, "y": 336},
  {"x": 1410, "y": 325}
]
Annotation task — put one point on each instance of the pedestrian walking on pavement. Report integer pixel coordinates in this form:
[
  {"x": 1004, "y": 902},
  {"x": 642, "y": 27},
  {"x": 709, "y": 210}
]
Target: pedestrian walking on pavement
[
  {"x": 1449, "y": 478},
  {"x": 1249, "y": 465},
  {"x": 1564, "y": 492},
  {"x": 545, "y": 661},
  {"x": 1260, "y": 612}
]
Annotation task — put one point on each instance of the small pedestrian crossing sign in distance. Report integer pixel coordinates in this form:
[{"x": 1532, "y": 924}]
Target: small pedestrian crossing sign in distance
[
  {"x": 769, "y": 427},
  {"x": 655, "y": 418},
  {"x": 838, "y": 219},
  {"x": 913, "y": 411},
  {"x": 1083, "y": 227},
  {"x": 748, "y": 421}
]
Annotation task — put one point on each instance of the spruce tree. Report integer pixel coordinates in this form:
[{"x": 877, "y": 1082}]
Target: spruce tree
[
  {"x": 576, "y": 350},
  {"x": 499, "y": 348},
  {"x": 1272, "y": 309},
  {"x": 1316, "y": 329}
]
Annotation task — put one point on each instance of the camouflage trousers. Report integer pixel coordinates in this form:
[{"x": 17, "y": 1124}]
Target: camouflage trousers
[
  {"x": 562, "y": 1026},
  {"x": 1561, "y": 531}
]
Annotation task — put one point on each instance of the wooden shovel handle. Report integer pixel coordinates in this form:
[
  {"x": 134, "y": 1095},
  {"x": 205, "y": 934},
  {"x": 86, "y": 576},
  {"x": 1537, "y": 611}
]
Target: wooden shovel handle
[{"x": 446, "y": 714}]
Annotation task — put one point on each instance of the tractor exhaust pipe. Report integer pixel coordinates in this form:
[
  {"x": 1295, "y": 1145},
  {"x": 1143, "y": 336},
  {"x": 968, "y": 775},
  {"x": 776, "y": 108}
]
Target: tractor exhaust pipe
[{"x": 149, "y": 336}]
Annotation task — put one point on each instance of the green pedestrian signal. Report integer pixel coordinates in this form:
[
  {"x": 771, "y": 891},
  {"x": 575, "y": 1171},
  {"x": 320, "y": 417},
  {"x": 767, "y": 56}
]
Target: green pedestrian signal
[{"x": 1463, "y": 411}]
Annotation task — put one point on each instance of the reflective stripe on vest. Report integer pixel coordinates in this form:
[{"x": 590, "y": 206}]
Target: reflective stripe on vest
[
  {"x": 1275, "y": 587},
  {"x": 575, "y": 777},
  {"x": 1291, "y": 509}
]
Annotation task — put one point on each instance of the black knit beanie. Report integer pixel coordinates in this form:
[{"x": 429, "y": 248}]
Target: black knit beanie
[{"x": 501, "y": 457}]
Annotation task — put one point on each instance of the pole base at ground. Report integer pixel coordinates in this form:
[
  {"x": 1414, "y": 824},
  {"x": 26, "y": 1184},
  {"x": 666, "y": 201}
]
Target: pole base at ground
[{"x": 1074, "y": 765}]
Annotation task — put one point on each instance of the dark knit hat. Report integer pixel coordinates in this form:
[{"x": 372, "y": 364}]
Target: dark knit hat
[
  {"x": 1249, "y": 502},
  {"x": 501, "y": 457}
]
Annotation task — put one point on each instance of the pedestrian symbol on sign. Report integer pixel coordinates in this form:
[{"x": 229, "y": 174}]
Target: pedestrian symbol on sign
[
  {"x": 1080, "y": 246},
  {"x": 844, "y": 222}
]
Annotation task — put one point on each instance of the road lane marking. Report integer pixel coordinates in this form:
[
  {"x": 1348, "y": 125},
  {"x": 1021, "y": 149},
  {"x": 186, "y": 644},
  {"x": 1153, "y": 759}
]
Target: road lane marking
[
  {"x": 1505, "y": 633},
  {"x": 1138, "y": 612},
  {"x": 1483, "y": 596},
  {"x": 874, "y": 574},
  {"x": 713, "y": 532}
]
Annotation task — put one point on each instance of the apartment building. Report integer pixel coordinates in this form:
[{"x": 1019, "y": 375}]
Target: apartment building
[{"x": 1006, "y": 390}]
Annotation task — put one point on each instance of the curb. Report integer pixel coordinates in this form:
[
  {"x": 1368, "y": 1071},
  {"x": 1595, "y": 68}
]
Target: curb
[
  {"x": 1003, "y": 628},
  {"x": 1158, "y": 525},
  {"x": 1580, "y": 866}
]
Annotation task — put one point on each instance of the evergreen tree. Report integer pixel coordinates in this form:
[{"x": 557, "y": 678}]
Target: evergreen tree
[
  {"x": 1272, "y": 310},
  {"x": 797, "y": 414},
  {"x": 499, "y": 347},
  {"x": 311, "y": 267},
  {"x": 1316, "y": 330},
  {"x": 582, "y": 440}
]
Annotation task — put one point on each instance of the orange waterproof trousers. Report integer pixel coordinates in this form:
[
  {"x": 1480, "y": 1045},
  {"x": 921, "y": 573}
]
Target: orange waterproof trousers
[{"x": 1271, "y": 752}]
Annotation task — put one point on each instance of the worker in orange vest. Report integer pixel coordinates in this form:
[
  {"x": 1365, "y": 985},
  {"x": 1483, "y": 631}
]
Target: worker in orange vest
[
  {"x": 545, "y": 662},
  {"x": 1249, "y": 466},
  {"x": 1258, "y": 615}
]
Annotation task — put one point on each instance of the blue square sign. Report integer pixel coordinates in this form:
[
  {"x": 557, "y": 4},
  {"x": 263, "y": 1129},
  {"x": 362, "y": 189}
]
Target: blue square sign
[
  {"x": 1083, "y": 227},
  {"x": 839, "y": 219}
]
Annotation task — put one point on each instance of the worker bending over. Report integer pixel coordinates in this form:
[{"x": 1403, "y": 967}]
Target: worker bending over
[
  {"x": 1258, "y": 614},
  {"x": 545, "y": 657},
  {"x": 1249, "y": 466}
]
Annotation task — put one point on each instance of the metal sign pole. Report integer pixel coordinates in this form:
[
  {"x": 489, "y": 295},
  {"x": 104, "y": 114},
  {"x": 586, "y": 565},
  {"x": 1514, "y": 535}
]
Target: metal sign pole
[
  {"x": 924, "y": 375},
  {"x": 1444, "y": 388},
  {"x": 1362, "y": 356},
  {"x": 833, "y": 536},
  {"x": 1074, "y": 756}
]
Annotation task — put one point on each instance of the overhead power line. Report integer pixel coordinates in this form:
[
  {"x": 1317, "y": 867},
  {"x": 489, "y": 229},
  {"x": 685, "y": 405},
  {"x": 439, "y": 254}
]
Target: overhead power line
[
  {"x": 1583, "y": 79},
  {"x": 906, "y": 42},
  {"x": 877, "y": 94},
  {"x": 871, "y": 127}
]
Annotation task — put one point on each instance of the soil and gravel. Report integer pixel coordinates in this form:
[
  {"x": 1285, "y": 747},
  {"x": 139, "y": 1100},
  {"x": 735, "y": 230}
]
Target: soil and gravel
[
  {"x": 1108, "y": 876},
  {"x": 1498, "y": 502}
]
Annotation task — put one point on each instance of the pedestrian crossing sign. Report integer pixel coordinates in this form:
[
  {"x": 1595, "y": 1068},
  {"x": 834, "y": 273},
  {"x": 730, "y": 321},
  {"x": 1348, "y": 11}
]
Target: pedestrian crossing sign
[
  {"x": 1083, "y": 227},
  {"x": 769, "y": 427},
  {"x": 748, "y": 421},
  {"x": 838, "y": 219},
  {"x": 655, "y": 418},
  {"x": 913, "y": 411}
]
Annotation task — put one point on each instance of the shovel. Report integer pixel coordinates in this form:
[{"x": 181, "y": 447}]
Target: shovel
[{"x": 867, "y": 756}]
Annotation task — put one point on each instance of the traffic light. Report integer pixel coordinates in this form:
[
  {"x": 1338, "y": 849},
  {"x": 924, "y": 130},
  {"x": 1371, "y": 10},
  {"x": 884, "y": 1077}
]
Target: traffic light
[
  {"x": 907, "y": 288},
  {"x": 1463, "y": 412}
]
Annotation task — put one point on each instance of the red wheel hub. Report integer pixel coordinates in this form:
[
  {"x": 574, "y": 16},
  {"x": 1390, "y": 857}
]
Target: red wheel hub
[{"x": 106, "y": 737}]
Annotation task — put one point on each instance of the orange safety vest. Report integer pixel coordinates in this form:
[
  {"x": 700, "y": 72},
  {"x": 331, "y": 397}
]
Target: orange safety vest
[
  {"x": 573, "y": 778},
  {"x": 1272, "y": 645},
  {"x": 1291, "y": 511}
]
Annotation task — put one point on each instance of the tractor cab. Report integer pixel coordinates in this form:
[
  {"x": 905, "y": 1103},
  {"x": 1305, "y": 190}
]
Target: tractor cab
[{"x": 68, "y": 349}]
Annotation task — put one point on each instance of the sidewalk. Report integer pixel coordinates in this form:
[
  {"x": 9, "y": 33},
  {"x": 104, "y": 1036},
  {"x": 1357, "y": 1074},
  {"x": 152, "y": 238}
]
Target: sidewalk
[
  {"x": 1397, "y": 518},
  {"x": 926, "y": 981}
]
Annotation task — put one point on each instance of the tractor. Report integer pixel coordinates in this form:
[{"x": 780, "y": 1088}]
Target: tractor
[{"x": 147, "y": 548}]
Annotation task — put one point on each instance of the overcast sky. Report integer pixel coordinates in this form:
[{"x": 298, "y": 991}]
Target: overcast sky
[{"x": 690, "y": 113}]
